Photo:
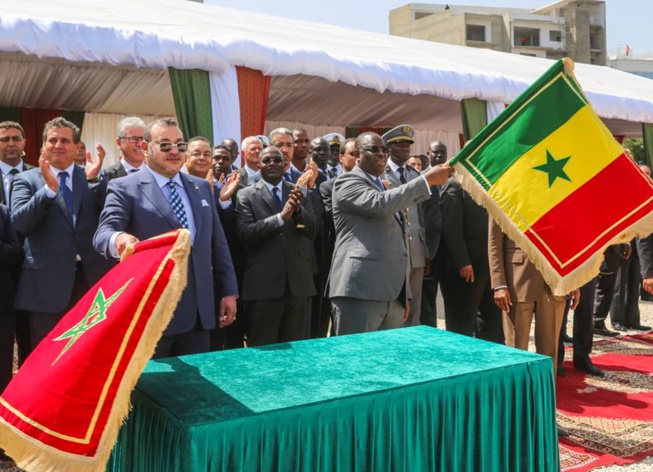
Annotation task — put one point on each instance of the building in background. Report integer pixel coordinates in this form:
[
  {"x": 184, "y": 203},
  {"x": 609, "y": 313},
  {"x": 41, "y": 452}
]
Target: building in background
[
  {"x": 627, "y": 60},
  {"x": 568, "y": 28}
]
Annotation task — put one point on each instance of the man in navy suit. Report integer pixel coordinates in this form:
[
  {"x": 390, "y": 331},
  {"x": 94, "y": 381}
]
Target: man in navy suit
[
  {"x": 56, "y": 208},
  {"x": 159, "y": 199}
]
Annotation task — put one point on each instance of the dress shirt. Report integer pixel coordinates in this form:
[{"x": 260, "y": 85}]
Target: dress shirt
[
  {"x": 280, "y": 187},
  {"x": 128, "y": 167},
  {"x": 69, "y": 181},
  {"x": 394, "y": 167},
  {"x": 6, "y": 178}
]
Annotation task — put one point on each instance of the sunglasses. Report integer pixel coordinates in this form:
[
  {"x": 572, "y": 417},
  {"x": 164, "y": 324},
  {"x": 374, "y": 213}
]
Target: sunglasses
[
  {"x": 166, "y": 146},
  {"x": 375, "y": 149},
  {"x": 276, "y": 160}
]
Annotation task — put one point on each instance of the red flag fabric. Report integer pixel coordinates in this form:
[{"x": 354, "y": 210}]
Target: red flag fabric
[{"x": 63, "y": 409}]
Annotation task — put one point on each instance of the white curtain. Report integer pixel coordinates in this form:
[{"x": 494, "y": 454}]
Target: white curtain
[
  {"x": 225, "y": 106},
  {"x": 312, "y": 130},
  {"x": 494, "y": 109},
  {"x": 100, "y": 128}
]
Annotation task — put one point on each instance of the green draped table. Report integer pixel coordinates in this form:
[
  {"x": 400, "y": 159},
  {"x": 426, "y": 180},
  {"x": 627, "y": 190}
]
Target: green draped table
[{"x": 412, "y": 399}]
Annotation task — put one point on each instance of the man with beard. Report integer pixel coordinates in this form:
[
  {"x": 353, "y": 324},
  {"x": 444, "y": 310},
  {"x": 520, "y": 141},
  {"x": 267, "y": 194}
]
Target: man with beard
[
  {"x": 159, "y": 199},
  {"x": 368, "y": 277},
  {"x": 12, "y": 146},
  {"x": 129, "y": 140},
  {"x": 273, "y": 218}
]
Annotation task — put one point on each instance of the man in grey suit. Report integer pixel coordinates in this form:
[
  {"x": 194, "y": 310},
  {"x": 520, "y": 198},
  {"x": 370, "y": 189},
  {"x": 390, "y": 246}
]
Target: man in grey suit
[
  {"x": 158, "y": 199},
  {"x": 397, "y": 172},
  {"x": 370, "y": 261},
  {"x": 129, "y": 139},
  {"x": 272, "y": 218},
  {"x": 56, "y": 207}
]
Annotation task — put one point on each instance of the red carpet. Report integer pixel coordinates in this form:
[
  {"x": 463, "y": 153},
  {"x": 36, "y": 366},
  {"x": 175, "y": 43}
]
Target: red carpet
[{"x": 610, "y": 419}]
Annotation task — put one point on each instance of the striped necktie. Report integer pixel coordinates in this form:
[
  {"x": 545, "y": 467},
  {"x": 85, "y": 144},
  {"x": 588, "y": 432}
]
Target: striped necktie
[{"x": 177, "y": 205}]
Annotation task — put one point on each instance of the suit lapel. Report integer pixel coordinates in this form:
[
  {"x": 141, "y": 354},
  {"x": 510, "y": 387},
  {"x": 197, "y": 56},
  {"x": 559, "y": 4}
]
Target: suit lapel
[
  {"x": 154, "y": 194},
  {"x": 267, "y": 197},
  {"x": 79, "y": 185},
  {"x": 3, "y": 198},
  {"x": 195, "y": 199},
  {"x": 392, "y": 177}
]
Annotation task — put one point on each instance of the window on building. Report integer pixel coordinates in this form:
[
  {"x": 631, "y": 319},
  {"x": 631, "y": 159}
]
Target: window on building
[
  {"x": 555, "y": 36},
  {"x": 526, "y": 36},
  {"x": 476, "y": 33}
]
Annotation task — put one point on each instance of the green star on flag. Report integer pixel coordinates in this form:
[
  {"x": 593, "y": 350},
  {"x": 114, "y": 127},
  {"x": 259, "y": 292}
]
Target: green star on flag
[
  {"x": 96, "y": 314},
  {"x": 554, "y": 168}
]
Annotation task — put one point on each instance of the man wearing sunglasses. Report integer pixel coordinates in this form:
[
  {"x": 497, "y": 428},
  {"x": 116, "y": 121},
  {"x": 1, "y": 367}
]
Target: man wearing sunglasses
[
  {"x": 272, "y": 219},
  {"x": 368, "y": 277},
  {"x": 158, "y": 199},
  {"x": 129, "y": 140}
]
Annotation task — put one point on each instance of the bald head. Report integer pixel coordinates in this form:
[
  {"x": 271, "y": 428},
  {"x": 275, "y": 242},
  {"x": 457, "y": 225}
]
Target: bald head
[{"x": 437, "y": 153}]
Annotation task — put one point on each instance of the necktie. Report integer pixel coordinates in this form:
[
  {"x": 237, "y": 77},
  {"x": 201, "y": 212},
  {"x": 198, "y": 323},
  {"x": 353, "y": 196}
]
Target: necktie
[
  {"x": 277, "y": 197},
  {"x": 12, "y": 174},
  {"x": 177, "y": 205},
  {"x": 379, "y": 184},
  {"x": 401, "y": 174},
  {"x": 287, "y": 177},
  {"x": 66, "y": 193},
  {"x": 333, "y": 172}
]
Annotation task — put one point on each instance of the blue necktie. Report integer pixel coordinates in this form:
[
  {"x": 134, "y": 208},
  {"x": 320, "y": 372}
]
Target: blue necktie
[
  {"x": 66, "y": 193},
  {"x": 177, "y": 205},
  {"x": 287, "y": 177},
  {"x": 277, "y": 198},
  {"x": 379, "y": 184}
]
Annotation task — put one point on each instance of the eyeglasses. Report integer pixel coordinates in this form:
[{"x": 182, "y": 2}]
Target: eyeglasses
[
  {"x": 132, "y": 139},
  {"x": 281, "y": 145},
  {"x": 166, "y": 146},
  {"x": 375, "y": 149},
  {"x": 276, "y": 160}
]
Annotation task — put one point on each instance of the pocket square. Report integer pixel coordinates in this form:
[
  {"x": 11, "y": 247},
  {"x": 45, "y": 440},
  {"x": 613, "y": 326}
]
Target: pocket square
[{"x": 205, "y": 203}]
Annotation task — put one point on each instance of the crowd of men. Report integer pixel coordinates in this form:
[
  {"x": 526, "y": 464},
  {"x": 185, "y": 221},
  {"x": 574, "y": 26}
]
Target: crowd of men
[{"x": 312, "y": 236}]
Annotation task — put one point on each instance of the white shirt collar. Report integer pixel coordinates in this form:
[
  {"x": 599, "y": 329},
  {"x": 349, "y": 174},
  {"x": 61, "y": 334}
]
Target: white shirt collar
[
  {"x": 270, "y": 186},
  {"x": 6, "y": 168},
  {"x": 68, "y": 170},
  {"x": 128, "y": 166},
  {"x": 394, "y": 166},
  {"x": 250, "y": 171},
  {"x": 162, "y": 180}
]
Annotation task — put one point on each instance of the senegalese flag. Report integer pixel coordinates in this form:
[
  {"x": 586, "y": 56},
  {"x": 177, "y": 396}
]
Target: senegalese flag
[
  {"x": 63, "y": 409},
  {"x": 556, "y": 181}
]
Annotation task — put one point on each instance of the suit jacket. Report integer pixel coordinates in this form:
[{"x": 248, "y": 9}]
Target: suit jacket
[
  {"x": 3, "y": 197},
  {"x": 11, "y": 257},
  {"x": 415, "y": 220},
  {"x": 114, "y": 171},
  {"x": 645, "y": 252},
  {"x": 510, "y": 267},
  {"x": 53, "y": 242},
  {"x": 278, "y": 259},
  {"x": 135, "y": 204},
  {"x": 370, "y": 259},
  {"x": 244, "y": 176},
  {"x": 464, "y": 229}
]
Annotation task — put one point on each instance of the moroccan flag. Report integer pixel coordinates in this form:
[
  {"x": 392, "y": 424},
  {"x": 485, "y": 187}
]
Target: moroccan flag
[
  {"x": 63, "y": 409},
  {"x": 555, "y": 180}
]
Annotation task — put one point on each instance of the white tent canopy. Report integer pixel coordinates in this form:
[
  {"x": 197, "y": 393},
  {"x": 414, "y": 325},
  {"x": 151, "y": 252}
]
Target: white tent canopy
[{"x": 110, "y": 57}]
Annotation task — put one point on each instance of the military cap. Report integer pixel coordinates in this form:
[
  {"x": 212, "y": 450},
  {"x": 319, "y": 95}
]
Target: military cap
[
  {"x": 334, "y": 139},
  {"x": 398, "y": 134}
]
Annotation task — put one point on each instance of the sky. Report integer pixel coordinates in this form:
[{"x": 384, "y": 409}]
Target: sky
[{"x": 628, "y": 21}]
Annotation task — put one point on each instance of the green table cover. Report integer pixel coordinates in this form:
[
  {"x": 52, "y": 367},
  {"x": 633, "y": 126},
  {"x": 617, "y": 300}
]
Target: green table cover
[{"x": 411, "y": 399}]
